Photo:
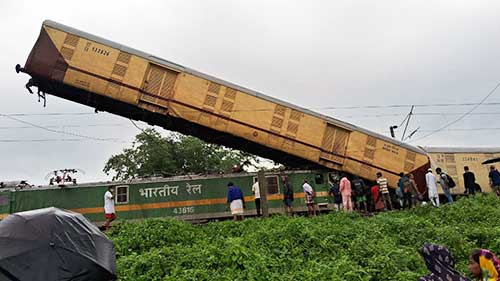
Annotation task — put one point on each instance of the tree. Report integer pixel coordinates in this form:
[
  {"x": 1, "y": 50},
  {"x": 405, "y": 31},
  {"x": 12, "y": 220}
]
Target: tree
[{"x": 154, "y": 155}]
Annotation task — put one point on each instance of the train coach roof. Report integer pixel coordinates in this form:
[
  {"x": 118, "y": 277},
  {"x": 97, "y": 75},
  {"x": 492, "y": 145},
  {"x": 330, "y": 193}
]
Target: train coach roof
[
  {"x": 437, "y": 149},
  {"x": 228, "y": 176},
  {"x": 181, "y": 68}
]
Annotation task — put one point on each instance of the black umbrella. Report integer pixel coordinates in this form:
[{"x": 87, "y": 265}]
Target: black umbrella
[
  {"x": 53, "y": 244},
  {"x": 492, "y": 160}
]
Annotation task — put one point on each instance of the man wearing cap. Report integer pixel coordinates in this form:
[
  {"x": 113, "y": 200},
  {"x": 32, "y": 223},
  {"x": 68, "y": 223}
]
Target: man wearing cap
[{"x": 430, "y": 179}]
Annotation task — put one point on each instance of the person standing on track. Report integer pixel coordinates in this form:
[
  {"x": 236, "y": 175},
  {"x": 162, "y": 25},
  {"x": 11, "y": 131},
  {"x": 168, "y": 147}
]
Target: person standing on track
[
  {"x": 432, "y": 192},
  {"x": 443, "y": 181},
  {"x": 494, "y": 176},
  {"x": 384, "y": 191},
  {"x": 236, "y": 201},
  {"x": 334, "y": 192},
  {"x": 287, "y": 196},
  {"x": 345, "y": 190},
  {"x": 360, "y": 192},
  {"x": 416, "y": 196},
  {"x": 309, "y": 198},
  {"x": 256, "y": 194},
  {"x": 109, "y": 208},
  {"x": 469, "y": 181}
]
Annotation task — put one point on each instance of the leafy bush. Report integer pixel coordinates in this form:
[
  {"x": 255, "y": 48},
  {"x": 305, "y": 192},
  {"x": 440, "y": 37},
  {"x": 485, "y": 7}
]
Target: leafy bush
[{"x": 336, "y": 246}]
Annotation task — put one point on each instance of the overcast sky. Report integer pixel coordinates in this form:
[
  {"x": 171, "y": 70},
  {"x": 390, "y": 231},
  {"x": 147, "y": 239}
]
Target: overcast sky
[{"x": 316, "y": 54}]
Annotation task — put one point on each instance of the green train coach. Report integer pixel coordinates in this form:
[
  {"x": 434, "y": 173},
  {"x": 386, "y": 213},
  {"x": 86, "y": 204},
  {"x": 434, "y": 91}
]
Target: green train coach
[{"x": 183, "y": 197}]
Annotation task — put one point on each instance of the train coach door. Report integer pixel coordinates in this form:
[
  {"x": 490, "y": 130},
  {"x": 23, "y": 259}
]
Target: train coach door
[
  {"x": 158, "y": 86},
  {"x": 334, "y": 146}
]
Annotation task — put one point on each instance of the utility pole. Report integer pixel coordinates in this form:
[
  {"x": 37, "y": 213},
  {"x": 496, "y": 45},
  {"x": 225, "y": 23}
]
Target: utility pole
[
  {"x": 263, "y": 193},
  {"x": 407, "y": 122}
]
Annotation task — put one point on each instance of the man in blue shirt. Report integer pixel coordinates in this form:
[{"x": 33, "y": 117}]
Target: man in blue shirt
[
  {"x": 494, "y": 180},
  {"x": 236, "y": 201}
]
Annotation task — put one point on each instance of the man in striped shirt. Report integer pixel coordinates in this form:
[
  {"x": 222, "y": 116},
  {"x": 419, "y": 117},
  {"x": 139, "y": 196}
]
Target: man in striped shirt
[{"x": 386, "y": 197}]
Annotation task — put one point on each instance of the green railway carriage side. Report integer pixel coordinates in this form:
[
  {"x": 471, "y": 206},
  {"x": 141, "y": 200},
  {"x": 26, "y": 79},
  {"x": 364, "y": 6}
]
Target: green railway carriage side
[
  {"x": 189, "y": 198},
  {"x": 4, "y": 203}
]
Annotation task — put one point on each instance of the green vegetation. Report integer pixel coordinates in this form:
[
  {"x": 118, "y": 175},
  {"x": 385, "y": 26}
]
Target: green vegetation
[
  {"x": 331, "y": 247},
  {"x": 176, "y": 154}
]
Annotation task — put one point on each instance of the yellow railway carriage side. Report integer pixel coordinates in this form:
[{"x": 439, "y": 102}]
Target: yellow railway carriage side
[
  {"x": 108, "y": 76},
  {"x": 453, "y": 159}
]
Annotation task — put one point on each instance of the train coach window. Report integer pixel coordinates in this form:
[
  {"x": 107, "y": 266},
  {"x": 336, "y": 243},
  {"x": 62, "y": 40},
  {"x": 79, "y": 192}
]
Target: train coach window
[
  {"x": 4, "y": 200},
  {"x": 272, "y": 184},
  {"x": 121, "y": 192},
  {"x": 318, "y": 179}
]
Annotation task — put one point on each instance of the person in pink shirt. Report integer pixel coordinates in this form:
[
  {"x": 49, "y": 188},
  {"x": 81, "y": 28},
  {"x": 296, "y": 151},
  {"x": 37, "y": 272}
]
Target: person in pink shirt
[{"x": 345, "y": 190}]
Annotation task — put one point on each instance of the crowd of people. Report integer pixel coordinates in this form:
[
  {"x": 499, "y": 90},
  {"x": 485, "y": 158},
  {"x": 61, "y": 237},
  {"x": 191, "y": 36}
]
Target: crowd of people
[{"x": 354, "y": 193}]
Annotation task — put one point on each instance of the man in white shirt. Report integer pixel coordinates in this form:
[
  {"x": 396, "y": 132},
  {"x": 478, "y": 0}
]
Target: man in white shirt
[
  {"x": 309, "y": 198},
  {"x": 430, "y": 179},
  {"x": 256, "y": 194},
  {"x": 109, "y": 208}
]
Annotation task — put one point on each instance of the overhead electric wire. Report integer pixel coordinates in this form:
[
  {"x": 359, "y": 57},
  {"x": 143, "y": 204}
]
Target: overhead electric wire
[
  {"x": 458, "y": 129},
  {"x": 50, "y": 114},
  {"x": 414, "y": 114},
  {"x": 407, "y": 105},
  {"x": 57, "y": 131},
  {"x": 268, "y": 109},
  {"x": 53, "y": 140},
  {"x": 61, "y": 126},
  {"x": 461, "y": 116}
]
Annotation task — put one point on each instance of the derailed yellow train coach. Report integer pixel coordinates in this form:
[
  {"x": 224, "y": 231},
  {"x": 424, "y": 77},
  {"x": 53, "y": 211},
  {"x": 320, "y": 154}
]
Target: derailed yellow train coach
[
  {"x": 90, "y": 70},
  {"x": 452, "y": 161}
]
